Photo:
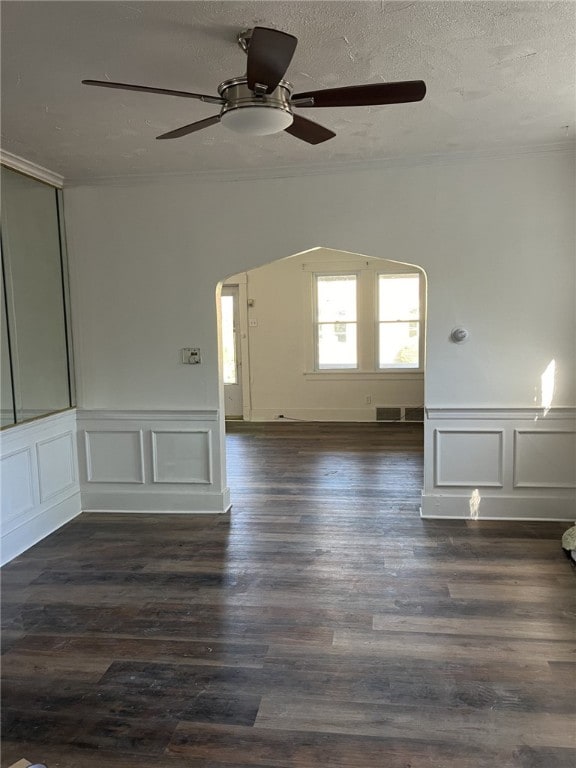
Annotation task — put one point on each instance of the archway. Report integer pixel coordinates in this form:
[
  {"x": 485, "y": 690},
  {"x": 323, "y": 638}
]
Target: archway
[{"x": 290, "y": 364}]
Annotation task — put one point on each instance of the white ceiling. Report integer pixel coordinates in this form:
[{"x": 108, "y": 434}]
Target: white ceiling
[{"x": 500, "y": 76}]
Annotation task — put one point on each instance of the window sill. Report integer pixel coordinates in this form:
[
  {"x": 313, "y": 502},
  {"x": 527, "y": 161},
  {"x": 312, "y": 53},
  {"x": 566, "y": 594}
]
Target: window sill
[{"x": 399, "y": 374}]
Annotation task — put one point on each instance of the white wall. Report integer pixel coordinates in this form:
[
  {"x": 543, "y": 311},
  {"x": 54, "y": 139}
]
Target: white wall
[
  {"x": 495, "y": 237},
  {"x": 281, "y": 346}
]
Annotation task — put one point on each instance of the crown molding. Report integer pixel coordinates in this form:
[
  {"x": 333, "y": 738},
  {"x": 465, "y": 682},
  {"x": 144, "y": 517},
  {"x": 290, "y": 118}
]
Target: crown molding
[
  {"x": 36, "y": 171},
  {"x": 31, "y": 169},
  {"x": 325, "y": 169}
]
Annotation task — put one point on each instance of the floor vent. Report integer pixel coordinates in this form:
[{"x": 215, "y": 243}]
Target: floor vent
[
  {"x": 388, "y": 414},
  {"x": 400, "y": 413},
  {"x": 413, "y": 414}
]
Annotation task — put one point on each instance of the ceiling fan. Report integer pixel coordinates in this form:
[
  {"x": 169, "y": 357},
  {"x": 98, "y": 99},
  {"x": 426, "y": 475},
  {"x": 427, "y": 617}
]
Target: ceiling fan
[{"x": 261, "y": 102}]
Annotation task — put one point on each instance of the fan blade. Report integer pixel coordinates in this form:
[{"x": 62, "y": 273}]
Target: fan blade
[
  {"x": 364, "y": 95},
  {"x": 309, "y": 131},
  {"x": 269, "y": 55},
  {"x": 190, "y": 128},
  {"x": 147, "y": 89}
]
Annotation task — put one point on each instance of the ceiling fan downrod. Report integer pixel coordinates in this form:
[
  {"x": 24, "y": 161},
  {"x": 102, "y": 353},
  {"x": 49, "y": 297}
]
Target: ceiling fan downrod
[{"x": 244, "y": 38}]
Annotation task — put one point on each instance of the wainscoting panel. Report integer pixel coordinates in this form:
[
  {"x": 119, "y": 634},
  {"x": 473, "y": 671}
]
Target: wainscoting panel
[
  {"x": 181, "y": 457},
  {"x": 544, "y": 459},
  {"x": 465, "y": 458},
  {"x": 39, "y": 481},
  {"x": 17, "y": 484},
  {"x": 500, "y": 463},
  {"x": 151, "y": 461},
  {"x": 56, "y": 458},
  {"x": 114, "y": 456}
]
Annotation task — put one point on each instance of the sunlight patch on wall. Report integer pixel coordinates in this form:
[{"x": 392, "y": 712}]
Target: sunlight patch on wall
[
  {"x": 474, "y": 503},
  {"x": 547, "y": 385}
]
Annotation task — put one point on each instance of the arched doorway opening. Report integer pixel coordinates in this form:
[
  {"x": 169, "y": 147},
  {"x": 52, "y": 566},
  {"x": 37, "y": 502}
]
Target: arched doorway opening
[{"x": 324, "y": 336}]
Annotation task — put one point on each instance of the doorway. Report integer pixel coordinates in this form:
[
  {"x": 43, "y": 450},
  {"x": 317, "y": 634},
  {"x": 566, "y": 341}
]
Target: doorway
[{"x": 231, "y": 352}]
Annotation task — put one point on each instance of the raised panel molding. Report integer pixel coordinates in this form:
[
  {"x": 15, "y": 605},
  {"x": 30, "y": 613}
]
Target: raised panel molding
[
  {"x": 114, "y": 456},
  {"x": 181, "y": 456},
  {"x": 468, "y": 458},
  {"x": 17, "y": 484},
  {"x": 56, "y": 465},
  {"x": 544, "y": 458}
]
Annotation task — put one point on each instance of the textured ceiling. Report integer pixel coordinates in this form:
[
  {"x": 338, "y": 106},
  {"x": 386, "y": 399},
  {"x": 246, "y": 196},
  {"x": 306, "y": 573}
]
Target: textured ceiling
[{"x": 500, "y": 76}]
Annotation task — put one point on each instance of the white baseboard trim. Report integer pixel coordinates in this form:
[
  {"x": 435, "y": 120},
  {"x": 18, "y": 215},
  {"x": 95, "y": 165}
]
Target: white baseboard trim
[
  {"x": 150, "y": 502},
  {"x": 365, "y": 414},
  {"x": 436, "y": 506},
  {"x": 23, "y": 537},
  {"x": 158, "y": 511}
]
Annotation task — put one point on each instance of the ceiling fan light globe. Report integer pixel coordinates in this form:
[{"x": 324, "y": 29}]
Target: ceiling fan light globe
[{"x": 257, "y": 120}]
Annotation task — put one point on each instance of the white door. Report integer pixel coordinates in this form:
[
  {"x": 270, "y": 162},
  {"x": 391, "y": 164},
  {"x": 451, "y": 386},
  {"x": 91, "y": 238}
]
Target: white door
[{"x": 231, "y": 362}]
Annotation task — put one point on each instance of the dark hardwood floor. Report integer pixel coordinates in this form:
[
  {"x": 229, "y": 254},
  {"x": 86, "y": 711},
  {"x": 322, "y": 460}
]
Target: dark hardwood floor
[{"x": 322, "y": 624}]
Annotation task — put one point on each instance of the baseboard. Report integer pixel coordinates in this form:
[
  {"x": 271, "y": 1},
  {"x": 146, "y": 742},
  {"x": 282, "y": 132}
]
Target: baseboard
[
  {"x": 365, "y": 414},
  {"x": 155, "y": 502},
  {"x": 125, "y": 511},
  {"x": 464, "y": 507},
  {"x": 32, "y": 531}
]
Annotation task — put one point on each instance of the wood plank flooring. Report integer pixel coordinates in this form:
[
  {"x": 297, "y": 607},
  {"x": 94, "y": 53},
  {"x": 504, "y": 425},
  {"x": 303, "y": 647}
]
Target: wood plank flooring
[{"x": 322, "y": 624}]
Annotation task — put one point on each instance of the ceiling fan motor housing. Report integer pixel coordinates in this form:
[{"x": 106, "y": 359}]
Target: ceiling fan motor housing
[{"x": 248, "y": 112}]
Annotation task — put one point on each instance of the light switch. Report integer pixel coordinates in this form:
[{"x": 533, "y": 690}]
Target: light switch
[{"x": 190, "y": 356}]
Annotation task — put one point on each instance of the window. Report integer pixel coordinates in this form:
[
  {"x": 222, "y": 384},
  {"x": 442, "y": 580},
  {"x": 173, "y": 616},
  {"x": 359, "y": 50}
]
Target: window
[
  {"x": 367, "y": 318},
  {"x": 336, "y": 322},
  {"x": 398, "y": 321}
]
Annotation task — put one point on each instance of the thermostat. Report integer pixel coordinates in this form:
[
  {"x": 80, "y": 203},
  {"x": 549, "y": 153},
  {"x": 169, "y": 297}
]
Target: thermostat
[{"x": 190, "y": 356}]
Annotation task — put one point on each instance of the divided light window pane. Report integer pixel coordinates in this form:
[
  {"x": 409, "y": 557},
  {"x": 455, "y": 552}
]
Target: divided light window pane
[
  {"x": 336, "y": 335},
  {"x": 398, "y": 297},
  {"x": 399, "y": 321}
]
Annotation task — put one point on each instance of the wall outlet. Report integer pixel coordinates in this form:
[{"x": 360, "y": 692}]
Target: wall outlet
[
  {"x": 368, "y": 399},
  {"x": 253, "y": 323}
]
